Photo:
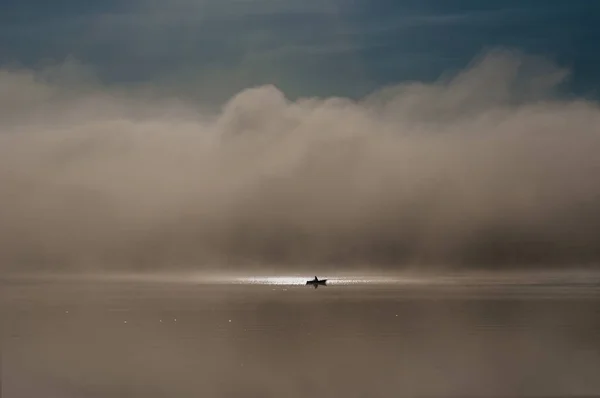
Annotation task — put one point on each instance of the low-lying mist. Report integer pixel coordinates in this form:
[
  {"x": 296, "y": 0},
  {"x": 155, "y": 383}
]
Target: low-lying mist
[{"x": 486, "y": 168}]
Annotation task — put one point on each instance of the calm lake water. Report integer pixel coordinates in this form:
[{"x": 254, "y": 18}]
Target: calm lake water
[{"x": 274, "y": 337}]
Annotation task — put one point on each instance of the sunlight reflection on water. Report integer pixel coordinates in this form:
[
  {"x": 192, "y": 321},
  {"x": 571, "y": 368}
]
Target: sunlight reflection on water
[
  {"x": 350, "y": 280},
  {"x": 570, "y": 279}
]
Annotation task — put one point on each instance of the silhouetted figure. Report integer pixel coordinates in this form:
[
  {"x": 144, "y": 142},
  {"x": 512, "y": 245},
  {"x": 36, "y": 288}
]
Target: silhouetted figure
[{"x": 316, "y": 282}]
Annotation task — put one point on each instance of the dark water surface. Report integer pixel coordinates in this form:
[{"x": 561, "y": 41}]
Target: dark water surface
[{"x": 276, "y": 338}]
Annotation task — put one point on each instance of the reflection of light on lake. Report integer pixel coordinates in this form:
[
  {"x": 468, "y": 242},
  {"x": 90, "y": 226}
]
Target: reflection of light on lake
[
  {"x": 301, "y": 280},
  {"x": 272, "y": 280},
  {"x": 465, "y": 280}
]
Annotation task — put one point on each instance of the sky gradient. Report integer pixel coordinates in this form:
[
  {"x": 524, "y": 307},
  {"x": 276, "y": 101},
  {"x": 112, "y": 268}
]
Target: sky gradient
[
  {"x": 215, "y": 48},
  {"x": 269, "y": 133}
]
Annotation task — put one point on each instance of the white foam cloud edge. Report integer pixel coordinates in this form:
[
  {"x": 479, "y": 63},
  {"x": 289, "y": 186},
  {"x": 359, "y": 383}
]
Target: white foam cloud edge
[{"x": 487, "y": 167}]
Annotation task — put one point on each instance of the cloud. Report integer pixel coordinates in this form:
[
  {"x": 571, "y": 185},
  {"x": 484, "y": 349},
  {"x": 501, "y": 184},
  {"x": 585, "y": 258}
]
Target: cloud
[{"x": 486, "y": 168}]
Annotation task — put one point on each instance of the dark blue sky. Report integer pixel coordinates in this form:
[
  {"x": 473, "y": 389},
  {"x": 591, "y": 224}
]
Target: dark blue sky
[{"x": 309, "y": 47}]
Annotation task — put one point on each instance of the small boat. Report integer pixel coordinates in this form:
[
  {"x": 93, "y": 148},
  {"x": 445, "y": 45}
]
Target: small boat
[{"x": 316, "y": 282}]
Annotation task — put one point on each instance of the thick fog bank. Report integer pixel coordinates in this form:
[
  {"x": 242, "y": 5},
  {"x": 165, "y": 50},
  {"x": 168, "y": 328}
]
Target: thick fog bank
[{"x": 485, "y": 168}]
